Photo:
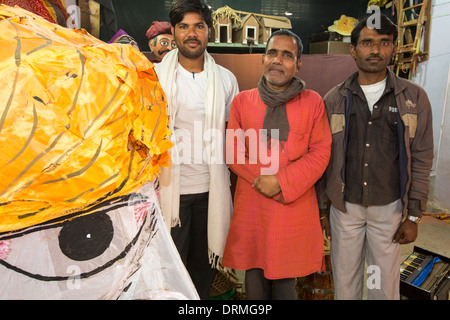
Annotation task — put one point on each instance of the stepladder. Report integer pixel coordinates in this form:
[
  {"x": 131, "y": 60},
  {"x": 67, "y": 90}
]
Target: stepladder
[{"x": 413, "y": 22}]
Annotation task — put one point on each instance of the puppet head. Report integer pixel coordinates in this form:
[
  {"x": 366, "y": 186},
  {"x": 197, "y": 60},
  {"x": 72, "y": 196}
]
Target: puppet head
[{"x": 160, "y": 39}]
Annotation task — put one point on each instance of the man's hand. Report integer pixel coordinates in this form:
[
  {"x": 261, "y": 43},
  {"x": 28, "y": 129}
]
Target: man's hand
[
  {"x": 325, "y": 223},
  {"x": 406, "y": 233},
  {"x": 267, "y": 185}
]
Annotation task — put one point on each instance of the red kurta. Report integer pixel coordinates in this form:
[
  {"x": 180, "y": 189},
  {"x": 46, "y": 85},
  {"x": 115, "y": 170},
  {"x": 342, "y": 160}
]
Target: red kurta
[{"x": 282, "y": 238}]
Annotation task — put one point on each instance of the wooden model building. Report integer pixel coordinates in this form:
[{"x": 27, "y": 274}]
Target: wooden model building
[
  {"x": 233, "y": 26},
  {"x": 249, "y": 30}
]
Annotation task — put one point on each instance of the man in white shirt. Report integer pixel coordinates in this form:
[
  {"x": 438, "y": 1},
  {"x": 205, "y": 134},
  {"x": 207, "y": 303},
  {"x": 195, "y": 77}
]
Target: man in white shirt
[{"x": 195, "y": 190}]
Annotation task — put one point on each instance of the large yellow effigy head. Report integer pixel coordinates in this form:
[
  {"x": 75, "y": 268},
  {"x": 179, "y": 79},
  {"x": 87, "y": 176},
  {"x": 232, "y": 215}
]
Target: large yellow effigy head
[{"x": 81, "y": 121}]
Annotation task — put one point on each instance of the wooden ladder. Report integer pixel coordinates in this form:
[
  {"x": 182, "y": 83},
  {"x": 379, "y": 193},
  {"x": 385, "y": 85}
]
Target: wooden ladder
[{"x": 409, "y": 52}]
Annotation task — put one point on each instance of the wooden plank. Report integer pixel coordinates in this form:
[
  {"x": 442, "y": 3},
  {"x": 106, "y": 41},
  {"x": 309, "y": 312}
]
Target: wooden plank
[
  {"x": 94, "y": 8},
  {"x": 90, "y": 16}
]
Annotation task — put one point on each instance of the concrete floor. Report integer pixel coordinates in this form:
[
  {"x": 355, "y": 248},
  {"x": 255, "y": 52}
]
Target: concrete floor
[{"x": 434, "y": 236}]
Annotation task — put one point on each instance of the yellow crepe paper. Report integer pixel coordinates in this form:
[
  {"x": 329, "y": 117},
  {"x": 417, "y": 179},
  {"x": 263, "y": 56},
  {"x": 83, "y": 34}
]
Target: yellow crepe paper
[
  {"x": 344, "y": 25},
  {"x": 378, "y": 3},
  {"x": 80, "y": 120}
]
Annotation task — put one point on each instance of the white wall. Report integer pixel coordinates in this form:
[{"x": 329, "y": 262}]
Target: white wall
[{"x": 434, "y": 76}]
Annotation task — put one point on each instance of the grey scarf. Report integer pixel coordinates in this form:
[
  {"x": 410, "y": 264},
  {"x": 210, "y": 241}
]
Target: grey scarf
[{"x": 276, "y": 117}]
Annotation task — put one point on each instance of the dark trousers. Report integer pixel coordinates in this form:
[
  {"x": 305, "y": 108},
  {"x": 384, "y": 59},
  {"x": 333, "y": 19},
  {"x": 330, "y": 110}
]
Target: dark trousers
[
  {"x": 257, "y": 287},
  {"x": 191, "y": 240}
]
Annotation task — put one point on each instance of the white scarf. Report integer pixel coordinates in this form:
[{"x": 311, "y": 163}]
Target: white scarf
[{"x": 220, "y": 202}]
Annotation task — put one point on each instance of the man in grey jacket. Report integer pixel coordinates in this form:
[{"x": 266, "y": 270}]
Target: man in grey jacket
[{"x": 378, "y": 177}]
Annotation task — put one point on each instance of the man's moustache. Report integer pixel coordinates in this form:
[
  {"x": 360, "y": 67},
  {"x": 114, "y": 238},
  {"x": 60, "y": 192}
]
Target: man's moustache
[
  {"x": 162, "y": 52},
  {"x": 191, "y": 40}
]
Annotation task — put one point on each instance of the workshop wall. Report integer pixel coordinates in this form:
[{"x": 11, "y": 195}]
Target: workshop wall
[{"x": 308, "y": 16}]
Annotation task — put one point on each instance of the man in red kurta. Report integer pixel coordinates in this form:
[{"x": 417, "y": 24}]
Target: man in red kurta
[{"x": 278, "y": 143}]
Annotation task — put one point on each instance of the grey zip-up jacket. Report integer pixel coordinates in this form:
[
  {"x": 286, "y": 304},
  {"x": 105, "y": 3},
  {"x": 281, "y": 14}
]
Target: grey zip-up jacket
[{"x": 415, "y": 145}]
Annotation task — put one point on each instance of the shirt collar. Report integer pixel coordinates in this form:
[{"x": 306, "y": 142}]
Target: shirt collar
[{"x": 352, "y": 84}]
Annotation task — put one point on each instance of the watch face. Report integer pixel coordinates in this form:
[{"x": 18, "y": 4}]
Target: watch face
[{"x": 414, "y": 219}]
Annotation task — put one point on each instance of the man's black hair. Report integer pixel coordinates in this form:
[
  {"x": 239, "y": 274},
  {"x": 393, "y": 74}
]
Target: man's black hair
[
  {"x": 180, "y": 7},
  {"x": 386, "y": 27}
]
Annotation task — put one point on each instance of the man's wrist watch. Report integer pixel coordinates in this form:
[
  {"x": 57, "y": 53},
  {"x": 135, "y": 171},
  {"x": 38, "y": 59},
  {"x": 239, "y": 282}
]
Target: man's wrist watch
[{"x": 414, "y": 219}]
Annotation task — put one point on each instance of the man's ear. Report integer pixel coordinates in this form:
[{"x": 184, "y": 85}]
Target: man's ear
[
  {"x": 353, "y": 51},
  {"x": 394, "y": 50},
  {"x": 299, "y": 64}
]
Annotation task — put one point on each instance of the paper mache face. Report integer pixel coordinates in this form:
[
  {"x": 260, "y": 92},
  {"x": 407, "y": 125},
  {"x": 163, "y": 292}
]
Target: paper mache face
[
  {"x": 83, "y": 132},
  {"x": 161, "y": 45}
]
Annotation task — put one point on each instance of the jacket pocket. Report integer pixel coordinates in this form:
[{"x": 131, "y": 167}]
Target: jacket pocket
[
  {"x": 337, "y": 123},
  {"x": 410, "y": 121}
]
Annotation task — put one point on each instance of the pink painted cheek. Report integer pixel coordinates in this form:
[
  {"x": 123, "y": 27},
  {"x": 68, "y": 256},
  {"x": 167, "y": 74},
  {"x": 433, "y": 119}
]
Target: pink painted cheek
[{"x": 5, "y": 249}]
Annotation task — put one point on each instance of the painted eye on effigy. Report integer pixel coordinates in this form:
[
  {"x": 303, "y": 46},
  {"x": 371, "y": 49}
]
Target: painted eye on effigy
[{"x": 82, "y": 245}]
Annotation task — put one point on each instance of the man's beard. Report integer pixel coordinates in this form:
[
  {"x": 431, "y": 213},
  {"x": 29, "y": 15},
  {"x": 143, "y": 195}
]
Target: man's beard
[{"x": 192, "y": 53}]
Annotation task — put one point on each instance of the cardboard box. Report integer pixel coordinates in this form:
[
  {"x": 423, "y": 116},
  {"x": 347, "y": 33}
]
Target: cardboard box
[{"x": 329, "y": 47}]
